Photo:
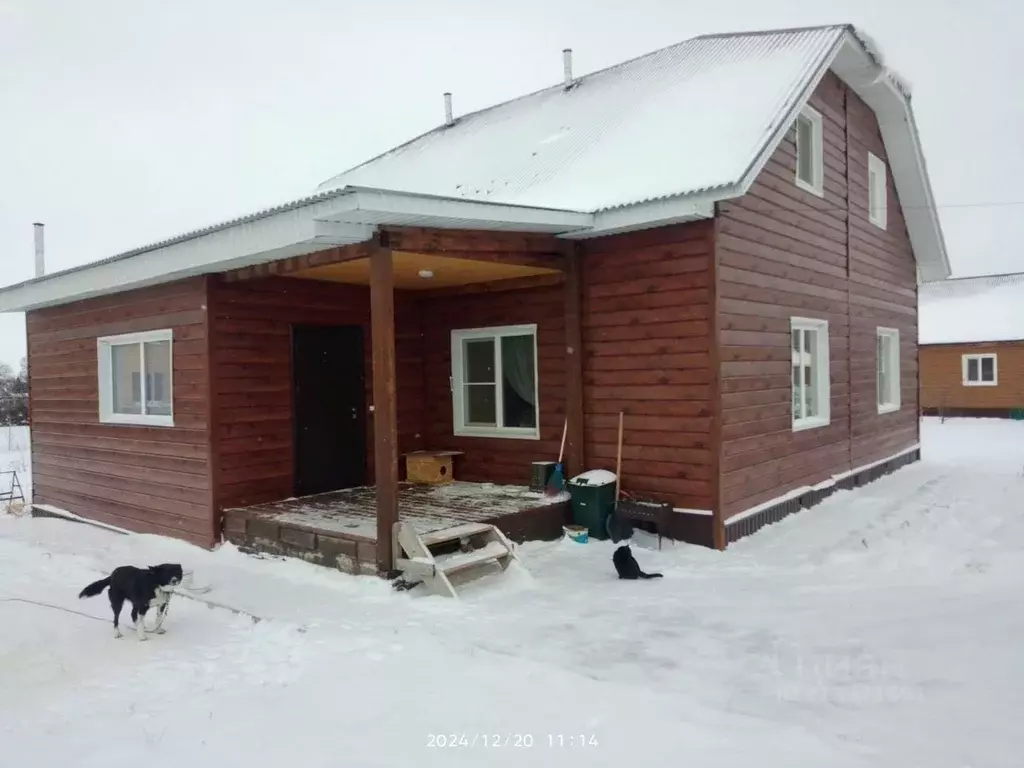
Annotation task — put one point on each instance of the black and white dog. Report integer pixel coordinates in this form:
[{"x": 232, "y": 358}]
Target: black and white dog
[{"x": 144, "y": 588}]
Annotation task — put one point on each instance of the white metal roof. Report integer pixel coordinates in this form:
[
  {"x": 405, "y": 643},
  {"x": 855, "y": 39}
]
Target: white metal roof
[
  {"x": 689, "y": 118},
  {"x": 653, "y": 141},
  {"x": 972, "y": 309}
]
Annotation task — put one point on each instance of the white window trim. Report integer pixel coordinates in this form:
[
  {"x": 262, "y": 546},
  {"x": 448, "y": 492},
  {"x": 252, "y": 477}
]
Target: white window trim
[
  {"x": 822, "y": 381},
  {"x": 106, "y": 390},
  {"x": 818, "y": 161},
  {"x": 894, "y": 366},
  {"x": 878, "y": 214},
  {"x": 458, "y": 412},
  {"x": 979, "y": 357}
]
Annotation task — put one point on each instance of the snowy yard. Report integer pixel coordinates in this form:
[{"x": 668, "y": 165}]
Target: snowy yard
[{"x": 882, "y": 628}]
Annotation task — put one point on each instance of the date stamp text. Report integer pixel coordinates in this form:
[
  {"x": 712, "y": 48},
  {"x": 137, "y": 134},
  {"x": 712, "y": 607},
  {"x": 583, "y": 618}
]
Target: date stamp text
[{"x": 509, "y": 740}]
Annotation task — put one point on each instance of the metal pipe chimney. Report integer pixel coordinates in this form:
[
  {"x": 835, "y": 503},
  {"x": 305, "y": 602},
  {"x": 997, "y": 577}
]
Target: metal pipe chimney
[
  {"x": 448, "y": 108},
  {"x": 40, "y": 254},
  {"x": 567, "y": 65}
]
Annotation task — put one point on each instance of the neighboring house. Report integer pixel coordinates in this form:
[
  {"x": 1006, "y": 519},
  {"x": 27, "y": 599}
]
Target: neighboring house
[
  {"x": 972, "y": 346},
  {"x": 722, "y": 239}
]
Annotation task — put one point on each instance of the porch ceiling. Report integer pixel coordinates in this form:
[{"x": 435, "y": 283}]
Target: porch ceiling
[{"x": 446, "y": 271}]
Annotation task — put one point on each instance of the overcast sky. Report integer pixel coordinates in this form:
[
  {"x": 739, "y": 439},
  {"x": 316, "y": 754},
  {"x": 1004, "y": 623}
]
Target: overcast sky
[{"x": 123, "y": 122}]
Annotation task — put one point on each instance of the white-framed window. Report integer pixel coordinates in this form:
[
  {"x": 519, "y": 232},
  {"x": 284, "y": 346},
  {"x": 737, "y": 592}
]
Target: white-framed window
[
  {"x": 810, "y": 161},
  {"x": 878, "y": 204},
  {"x": 135, "y": 378},
  {"x": 494, "y": 382},
  {"x": 888, "y": 364},
  {"x": 980, "y": 371},
  {"x": 811, "y": 384}
]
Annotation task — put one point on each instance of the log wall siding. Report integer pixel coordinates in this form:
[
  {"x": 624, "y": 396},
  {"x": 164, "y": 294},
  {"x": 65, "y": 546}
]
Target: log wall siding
[
  {"x": 647, "y": 310},
  {"x": 495, "y": 460},
  {"x": 942, "y": 385},
  {"x": 252, "y": 322},
  {"x": 883, "y": 292},
  {"x": 784, "y": 252},
  {"x": 146, "y": 479}
]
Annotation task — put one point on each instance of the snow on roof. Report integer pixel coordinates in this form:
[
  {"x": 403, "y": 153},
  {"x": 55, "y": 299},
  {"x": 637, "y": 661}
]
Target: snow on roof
[
  {"x": 972, "y": 309},
  {"x": 688, "y": 118},
  {"x": 652, "y": 141}
]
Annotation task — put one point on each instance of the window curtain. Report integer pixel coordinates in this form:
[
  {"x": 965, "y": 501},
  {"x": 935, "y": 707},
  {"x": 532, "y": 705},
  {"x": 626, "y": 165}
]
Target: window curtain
[{"x": 517, "y": 366}]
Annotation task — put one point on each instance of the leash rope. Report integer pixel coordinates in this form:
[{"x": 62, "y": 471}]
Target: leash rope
[
  {"x": 49, "y": 605},
  {"x": 177, "y": 591},
  {"x": 208, "y": 603},
  {"x": 302, "y": 628}
]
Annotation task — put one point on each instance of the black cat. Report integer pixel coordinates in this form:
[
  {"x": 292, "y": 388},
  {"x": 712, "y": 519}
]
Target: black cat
[{"x": 627, "y": 567}]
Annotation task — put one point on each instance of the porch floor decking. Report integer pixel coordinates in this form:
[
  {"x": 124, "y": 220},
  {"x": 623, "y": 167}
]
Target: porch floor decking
[
  {"x": 353, "y": 512},
  {"x": 318, "y": 528}
]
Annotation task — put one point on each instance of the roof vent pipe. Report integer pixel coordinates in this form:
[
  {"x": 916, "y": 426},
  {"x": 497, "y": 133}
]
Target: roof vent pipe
[
  {"x": 40, "y": 256},
  {"x": 448, "y": 108},
  {"x": 567, "y": 64}
]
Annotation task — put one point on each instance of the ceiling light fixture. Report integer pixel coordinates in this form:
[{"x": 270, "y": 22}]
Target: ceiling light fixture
[{"x": 426, "y": 273}]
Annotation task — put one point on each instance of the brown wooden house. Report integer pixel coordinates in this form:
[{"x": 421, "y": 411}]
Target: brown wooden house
[
  {"x": 722, "y": 239},
  {"x": 972, "y": 346}
]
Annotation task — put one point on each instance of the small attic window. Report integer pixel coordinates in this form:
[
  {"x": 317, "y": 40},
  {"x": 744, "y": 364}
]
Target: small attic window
[
  {"x": 809, "y": 152},
  {"x": 877, "y": 203}
]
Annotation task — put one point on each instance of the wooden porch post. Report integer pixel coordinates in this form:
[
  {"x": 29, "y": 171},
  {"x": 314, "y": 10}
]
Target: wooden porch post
[
  {"x": 574, "y": 448},
  {"x": 385, "y": 412}
]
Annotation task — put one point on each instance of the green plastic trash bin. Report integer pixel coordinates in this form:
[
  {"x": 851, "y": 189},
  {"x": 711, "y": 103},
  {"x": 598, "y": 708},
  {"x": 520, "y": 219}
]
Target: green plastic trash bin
[{"x": 593, "y": 500}]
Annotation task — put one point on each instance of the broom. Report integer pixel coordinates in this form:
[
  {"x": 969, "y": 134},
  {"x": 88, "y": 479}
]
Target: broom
[
  {"x": 618, "y": 464},
  {"x": 612, "y": 521},
  {"x": 556, "y": 483}
]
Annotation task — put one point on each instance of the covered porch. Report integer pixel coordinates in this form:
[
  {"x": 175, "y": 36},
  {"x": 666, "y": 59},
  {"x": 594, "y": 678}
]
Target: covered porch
[{"x": 406, "y": 295}]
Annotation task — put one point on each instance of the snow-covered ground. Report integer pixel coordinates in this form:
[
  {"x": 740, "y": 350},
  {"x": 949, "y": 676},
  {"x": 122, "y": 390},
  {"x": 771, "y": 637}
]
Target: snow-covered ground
[{"x": 882, "y": 628}]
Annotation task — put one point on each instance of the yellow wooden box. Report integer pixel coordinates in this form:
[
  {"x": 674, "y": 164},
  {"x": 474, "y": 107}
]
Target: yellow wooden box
[{"x": 429, "y": 467}]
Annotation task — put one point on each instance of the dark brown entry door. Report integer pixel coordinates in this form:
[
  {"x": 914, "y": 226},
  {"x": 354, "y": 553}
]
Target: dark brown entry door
[{"x": 330, "y": 426}]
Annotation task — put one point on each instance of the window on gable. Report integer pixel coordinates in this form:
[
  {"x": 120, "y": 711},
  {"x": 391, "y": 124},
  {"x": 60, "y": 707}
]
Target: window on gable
[
  {"x": 135, "y": 378},
  {"x": 980, "y": 371},
  {"x": 494, "y": 382},
  {"x": 877, "y": 191},
  {"x": 811, "y": 385},
  {"x": 888, "y": 366},
  {"x": 809, "y": 151}
]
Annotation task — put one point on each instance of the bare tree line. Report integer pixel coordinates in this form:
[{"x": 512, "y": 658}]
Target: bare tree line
[{"x": 13, "y": 395}]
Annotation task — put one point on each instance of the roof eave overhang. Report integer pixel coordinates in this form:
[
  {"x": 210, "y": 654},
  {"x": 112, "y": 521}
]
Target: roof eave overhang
[
  {"x": 382, "y": 207},
  {"x": 290, "y": 233},
  {"x": 859, "y": 68},
  {"x": 344, "y": 218},
  {"x": 890, "y": 99},
  {"x": 647, "y": 215}
]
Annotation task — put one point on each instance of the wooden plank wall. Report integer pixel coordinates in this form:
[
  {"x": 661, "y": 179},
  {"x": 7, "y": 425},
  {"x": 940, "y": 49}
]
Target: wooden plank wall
[
  {"x": 883, "y": 292},
  {"x": 942, "y": 377},
  {"x": 147, "y": 479},
  {"x": 784, "y": 252},
  {"x": 495, "y": 460},
  {"x": 252, "y": 323},
  {"x": 647, "y": 308}
]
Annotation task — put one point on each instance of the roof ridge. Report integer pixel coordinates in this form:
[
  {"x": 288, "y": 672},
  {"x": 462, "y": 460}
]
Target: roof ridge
[{"x": 774, "y": 31}]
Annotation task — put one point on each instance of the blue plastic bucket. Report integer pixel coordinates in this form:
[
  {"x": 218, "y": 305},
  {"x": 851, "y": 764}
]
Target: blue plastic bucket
[{"x": 577, "y": 533}]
